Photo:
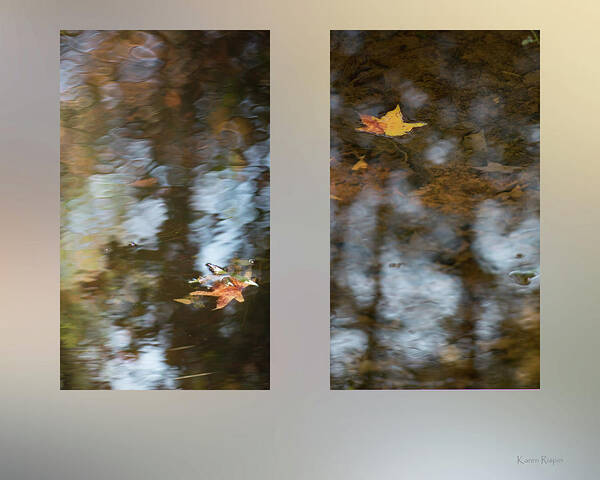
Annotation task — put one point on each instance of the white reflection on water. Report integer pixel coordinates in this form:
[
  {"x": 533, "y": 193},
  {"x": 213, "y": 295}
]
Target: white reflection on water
[
  {"x": 143, "y": 221},
  {"x": 148, "y": 371},
  {"x": 413, "y": 96},
  {"x": 501, "y": 250},
  {"x": 221, "y": 194},
  {"x": 352, "y": 41},
  {"x": 347, "y": 345},
  {"x": 403, "y": 203},
  {"x": 90, "y": 221},
  {"x": 487, "y": 326},
  {"x": 483, "y": 109},
  {"x": 418, "y": 295},
  {"x": 137, "y": 152},
  {"x": 111, "y": 94},
  {"x": 98, "y": 210},
  {"x": 534, "y": 133},
  {"x": 227, "y": 203},
  {"x": 70, "y": 76},
  {"x": 359, "y": 253},
  {"x": 440, "y": 151}
]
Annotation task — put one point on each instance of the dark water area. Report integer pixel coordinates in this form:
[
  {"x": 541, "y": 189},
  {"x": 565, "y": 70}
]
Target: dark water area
[
  {"x": 164, "y": 168},
  {"x": 435, "y": 264}
]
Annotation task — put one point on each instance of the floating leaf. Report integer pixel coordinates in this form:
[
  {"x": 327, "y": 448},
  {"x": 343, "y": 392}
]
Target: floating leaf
[
  {"x": 391, "y": 124},
  {"x": 185, "y": 301},
  {"x": 226, "y": 292},
  {"x": 216, "y": 270},
  {"x": 242, "y": 269},
  {"x": 372, "y": 125},
  {"x": 235, "y": 271}
]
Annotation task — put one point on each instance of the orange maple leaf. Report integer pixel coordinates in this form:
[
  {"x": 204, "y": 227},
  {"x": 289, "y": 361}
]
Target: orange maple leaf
[
  {"x": 226, "y": 291},
  {"x": 391, "y": 124},
  {"x": 372, "y": 125}
]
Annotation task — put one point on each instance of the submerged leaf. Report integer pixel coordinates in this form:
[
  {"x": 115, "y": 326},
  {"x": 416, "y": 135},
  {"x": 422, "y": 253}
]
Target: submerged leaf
[
  {"x": 391, "y": 124},
  {"x": 144, "y": 183},
  {"x": 495, "y": 167},
  {"x": 360, "y": 165}
]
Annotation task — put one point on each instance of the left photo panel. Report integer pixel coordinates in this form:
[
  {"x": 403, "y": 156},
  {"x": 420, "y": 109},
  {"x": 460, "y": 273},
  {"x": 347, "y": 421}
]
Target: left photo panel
[{"x": 164, "y": 197}]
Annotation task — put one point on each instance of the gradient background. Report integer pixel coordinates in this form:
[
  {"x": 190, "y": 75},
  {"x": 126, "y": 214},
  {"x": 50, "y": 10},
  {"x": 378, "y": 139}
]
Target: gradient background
[{"x": 299, "y": 429}]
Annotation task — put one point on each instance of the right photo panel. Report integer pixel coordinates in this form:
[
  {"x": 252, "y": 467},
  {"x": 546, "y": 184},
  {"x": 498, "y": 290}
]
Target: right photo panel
[{"x": 435, "y": 209}]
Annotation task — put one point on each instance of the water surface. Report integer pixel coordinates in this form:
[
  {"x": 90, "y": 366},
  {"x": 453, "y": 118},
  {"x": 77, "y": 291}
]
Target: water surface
[
  {"x": 164, "y": 167},
  {"x": 435, "y": 269}
]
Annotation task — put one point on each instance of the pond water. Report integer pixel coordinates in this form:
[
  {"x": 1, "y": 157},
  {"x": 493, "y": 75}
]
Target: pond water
[
  {"x": 164, "y": 168},
  {"x": 435, "y": 265}
]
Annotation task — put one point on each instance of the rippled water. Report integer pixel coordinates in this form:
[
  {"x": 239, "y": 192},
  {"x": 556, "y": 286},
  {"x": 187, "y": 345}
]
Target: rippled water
[
  {"x": 164, "y": 167},
  {"x": 435, "y": 266}
]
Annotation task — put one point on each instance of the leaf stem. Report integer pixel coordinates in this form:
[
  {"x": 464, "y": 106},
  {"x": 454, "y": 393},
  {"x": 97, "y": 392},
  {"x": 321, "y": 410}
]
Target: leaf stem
[{"x": 399, "y": 149}]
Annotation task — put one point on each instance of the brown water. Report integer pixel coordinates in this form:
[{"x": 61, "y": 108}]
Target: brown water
[
  {"x": 164, "y": 167},
  {"x": 435, "y": 244}
]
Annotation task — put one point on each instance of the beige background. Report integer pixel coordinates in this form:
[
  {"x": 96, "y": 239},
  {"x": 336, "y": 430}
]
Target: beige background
[{"x": 299, "y": 429}]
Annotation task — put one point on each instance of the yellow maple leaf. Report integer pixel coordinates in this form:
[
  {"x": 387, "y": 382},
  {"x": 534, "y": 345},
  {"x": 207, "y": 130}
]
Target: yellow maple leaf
[{"x": 391, "y": 124}]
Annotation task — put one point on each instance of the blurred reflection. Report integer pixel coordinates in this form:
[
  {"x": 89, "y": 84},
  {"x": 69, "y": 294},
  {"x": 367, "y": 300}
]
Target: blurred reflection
[
  {"x": 164, "y": 167},
  {"x": 435, "y": 242}
]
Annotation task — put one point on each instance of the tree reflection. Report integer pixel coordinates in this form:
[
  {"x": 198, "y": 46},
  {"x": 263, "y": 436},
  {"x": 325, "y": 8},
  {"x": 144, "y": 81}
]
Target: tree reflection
[
  {"x": 164, "y": 167},
  {"x": 435, "y": 245}
]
